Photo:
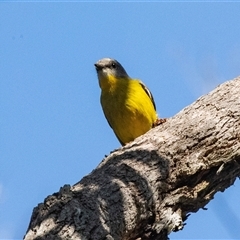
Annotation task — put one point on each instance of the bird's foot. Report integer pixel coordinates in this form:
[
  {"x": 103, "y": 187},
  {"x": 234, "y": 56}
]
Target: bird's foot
[{"x": 159, "y": 121}]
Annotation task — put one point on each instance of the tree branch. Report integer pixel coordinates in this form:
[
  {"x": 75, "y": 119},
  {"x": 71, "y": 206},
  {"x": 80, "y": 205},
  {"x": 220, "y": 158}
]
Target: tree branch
[{"x": 147, "y": 188}]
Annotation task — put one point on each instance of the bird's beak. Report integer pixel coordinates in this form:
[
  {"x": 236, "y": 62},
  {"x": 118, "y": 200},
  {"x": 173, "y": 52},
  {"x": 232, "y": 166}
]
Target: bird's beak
[{"x": 98, "y": 66}]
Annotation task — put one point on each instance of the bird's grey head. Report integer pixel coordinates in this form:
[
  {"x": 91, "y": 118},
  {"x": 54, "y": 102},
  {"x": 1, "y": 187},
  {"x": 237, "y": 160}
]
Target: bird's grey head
[{"x": 109, "y": 66}]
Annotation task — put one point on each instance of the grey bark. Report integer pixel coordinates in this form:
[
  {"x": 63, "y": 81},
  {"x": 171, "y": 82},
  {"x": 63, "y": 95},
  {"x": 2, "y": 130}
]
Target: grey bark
[{"x": 147, "y": 188}]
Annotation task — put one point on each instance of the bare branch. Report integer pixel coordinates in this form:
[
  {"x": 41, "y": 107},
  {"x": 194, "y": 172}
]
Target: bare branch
[{"x": 146, "y": 189}]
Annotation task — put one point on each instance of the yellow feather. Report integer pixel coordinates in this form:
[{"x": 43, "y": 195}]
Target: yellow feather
[{"x": 127, "y": 106}]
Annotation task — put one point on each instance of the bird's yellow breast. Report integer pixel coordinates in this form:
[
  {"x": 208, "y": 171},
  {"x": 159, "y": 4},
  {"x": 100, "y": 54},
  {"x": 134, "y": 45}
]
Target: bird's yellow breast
[{"x": 127, "y": 107}]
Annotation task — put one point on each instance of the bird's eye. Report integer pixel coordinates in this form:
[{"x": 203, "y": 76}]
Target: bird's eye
[{"x": 113, "y": 65}]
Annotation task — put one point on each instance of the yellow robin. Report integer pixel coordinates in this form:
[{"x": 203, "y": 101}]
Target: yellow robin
[{"x": 127, "y": 103}]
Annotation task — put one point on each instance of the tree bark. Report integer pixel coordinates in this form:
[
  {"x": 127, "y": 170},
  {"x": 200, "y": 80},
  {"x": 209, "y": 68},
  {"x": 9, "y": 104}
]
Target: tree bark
[{"x": 147, "y": 188}]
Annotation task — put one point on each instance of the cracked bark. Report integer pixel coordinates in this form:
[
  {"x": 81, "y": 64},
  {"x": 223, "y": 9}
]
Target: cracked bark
[{"x": 147, "y": 188}]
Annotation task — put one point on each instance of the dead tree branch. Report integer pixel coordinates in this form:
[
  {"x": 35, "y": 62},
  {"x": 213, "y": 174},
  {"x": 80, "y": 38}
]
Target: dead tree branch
[{"x": 146, "y": 189}]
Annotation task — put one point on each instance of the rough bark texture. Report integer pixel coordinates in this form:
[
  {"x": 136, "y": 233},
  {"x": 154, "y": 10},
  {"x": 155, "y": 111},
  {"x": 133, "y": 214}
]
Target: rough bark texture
[{"x": 146, "y": 189}]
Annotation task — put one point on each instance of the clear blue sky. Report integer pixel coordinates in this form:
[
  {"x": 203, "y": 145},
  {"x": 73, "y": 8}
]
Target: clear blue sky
[{"x": 53, "y": 131}]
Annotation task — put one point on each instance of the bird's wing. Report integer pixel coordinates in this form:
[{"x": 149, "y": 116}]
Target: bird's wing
[{"x": 148, "y": 93}]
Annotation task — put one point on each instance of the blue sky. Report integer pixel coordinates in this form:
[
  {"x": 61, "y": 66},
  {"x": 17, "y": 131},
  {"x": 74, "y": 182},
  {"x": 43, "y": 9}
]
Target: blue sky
[{"x": 53, "y": 131}]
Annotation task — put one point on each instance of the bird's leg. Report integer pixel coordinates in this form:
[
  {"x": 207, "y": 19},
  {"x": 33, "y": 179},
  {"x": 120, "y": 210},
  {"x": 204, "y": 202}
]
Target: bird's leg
[{"x": 159, "y": 121}]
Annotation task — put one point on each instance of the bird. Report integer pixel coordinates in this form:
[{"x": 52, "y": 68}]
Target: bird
[{"x": 127, "y": 103}]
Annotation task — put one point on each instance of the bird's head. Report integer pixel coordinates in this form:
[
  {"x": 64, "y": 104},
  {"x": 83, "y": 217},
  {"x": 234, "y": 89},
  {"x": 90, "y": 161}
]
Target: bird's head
[{"x": 107, "y": 67}]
